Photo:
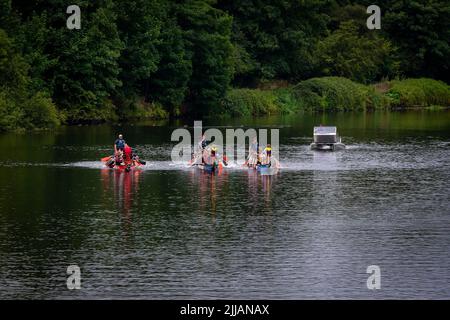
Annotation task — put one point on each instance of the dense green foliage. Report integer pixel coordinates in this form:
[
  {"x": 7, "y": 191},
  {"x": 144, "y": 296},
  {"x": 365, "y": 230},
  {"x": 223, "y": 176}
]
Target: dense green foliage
[
  {"x": 275, "y": 39},
  {"x": 257, "y": 102},
  {"x": 337, "y": 94},
  {"x": 421, "y": 31},
  {"x": 419, "y": 93},
  {"x": 207, "y": 32},
  {"x": 160, "y": 58},
  {"x": 249, "y": 102},
  {"x": 360, "y": 56},
  {"x": 20, "y": 107}
]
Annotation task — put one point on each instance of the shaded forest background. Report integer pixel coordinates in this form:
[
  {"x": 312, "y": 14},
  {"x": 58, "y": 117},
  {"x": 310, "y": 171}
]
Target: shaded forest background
[{"x": 159, "y": 58}]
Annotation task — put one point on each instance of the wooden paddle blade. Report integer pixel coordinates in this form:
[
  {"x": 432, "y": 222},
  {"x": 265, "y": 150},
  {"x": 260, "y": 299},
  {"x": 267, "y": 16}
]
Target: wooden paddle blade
[{"x": 106, "y": 159}]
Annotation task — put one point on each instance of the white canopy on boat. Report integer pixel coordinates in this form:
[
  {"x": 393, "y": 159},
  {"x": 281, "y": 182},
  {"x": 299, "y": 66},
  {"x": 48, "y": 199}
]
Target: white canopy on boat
[{"x": 325, "y": 130}]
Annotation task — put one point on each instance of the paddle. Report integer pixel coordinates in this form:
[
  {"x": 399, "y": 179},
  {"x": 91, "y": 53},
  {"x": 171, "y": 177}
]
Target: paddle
[
  {"x": 105, "y": 159},
  {"x": 250, "y": 155}
]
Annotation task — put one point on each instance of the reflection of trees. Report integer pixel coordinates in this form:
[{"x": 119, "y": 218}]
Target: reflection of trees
[{"x": 36, "y": 147}]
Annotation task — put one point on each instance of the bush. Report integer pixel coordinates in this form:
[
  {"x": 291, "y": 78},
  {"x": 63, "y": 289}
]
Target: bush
[
  {"x": 317, "y": 94},
  {"x": 286, "y": 100},
  {"x": 336, "y": 94},
  {"x": 90, "y": 113},
  {"x": 10, "y": 114},
  {"x": 419, "y": 93},
  {"x": 137, "y": 108},
  {"x": 40, "y": 112},
  {"x": 146, "y": 110},
  {"x": 36, "y": 112},
  {"x": 249, "y": 102}
]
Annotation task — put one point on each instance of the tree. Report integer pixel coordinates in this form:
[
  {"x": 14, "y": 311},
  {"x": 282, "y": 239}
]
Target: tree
[
  {"x": 207, "y": 32},
  {"x": 20, "y": 107},
  {"x": 275, "y": 39},
  {"x": 421, "y": 30},
  {"x": 5, "y": 12},
  {"x": 169, "y": 84},
  {"x": 139, "y": 26},
  {"x": 32, "y": 36},
  {"x": 13, "y": 80},
  {"x": 87, "y": 71},
  {"x": 360, "y": 57},
  {"x": 13, "y": 68}
]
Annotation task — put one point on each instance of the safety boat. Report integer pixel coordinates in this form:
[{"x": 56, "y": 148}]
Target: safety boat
[{"x": 326, "y": 138}]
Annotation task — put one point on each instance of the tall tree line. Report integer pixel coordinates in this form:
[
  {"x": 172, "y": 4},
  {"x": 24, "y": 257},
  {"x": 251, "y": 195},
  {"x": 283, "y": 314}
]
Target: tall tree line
[{"x": 183, "y": 56}]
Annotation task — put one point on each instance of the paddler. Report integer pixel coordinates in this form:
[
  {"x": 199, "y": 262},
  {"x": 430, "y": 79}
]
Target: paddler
[
  {"x": 202, "y": 143},
  {"x": 118, "y": 157},
  {"x": 211, "y": 156},
  {"x": 217, "y": 157},
  {"x": 253, "y": 153},
  {"x": 127, "y": 154},
  {"x": 267, "y": 153},
  {"x": 214, "y": 155},
  {"x": 200, "y": 153}
]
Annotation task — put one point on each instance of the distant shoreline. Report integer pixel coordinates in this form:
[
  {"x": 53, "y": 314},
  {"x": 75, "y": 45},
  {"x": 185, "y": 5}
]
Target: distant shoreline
[{"x": 316, "y": 95}]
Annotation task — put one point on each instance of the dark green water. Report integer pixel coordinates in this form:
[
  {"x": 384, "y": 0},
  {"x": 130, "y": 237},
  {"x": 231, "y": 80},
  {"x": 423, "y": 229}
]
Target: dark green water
[{"x": 172, "y": 232}]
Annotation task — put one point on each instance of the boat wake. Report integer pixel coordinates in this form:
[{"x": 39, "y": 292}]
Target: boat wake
[{"x": 295, "y": 157}]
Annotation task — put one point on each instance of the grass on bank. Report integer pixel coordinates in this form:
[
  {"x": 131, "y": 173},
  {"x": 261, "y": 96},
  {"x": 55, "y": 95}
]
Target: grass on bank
[
  {"x": 337, "y": 94},
  {"x": 419, "y": 93}
]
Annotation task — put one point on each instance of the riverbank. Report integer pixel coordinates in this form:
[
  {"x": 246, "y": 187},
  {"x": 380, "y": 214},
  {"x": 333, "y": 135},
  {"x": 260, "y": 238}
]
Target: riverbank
[
  {"x": 326, "y": 94},
  {"x": 337, "y": 94}
]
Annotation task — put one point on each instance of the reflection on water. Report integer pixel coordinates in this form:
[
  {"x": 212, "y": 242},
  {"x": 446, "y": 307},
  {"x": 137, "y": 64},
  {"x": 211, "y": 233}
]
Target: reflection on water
[
  {"x": 170, "y": 231},
  {"x": 208, "y": 188},
  {"x": 125, "y": 188}
]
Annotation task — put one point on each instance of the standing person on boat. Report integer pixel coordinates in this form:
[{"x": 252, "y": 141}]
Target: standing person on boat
[{"x": 119, "y": 144}]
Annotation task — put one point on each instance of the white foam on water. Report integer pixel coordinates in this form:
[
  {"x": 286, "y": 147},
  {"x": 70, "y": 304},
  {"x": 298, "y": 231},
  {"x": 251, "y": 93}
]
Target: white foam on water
[{"x": 299, "y": 157}]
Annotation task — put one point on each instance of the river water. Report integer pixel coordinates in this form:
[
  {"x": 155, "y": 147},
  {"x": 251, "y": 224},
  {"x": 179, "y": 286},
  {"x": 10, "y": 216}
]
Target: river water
[{"x": 169, "y": 232}]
